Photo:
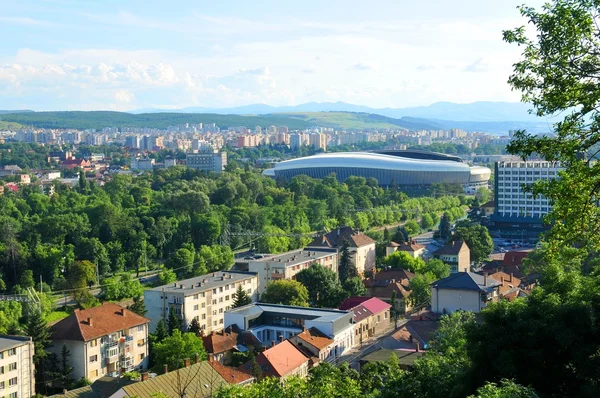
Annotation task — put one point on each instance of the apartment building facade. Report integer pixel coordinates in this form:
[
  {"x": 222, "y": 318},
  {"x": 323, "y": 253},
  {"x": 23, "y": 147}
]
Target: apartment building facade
[
  {"x": 205, "y": 298},
  {"x": 287, "y": 265},
  {"x": 16, "y": 367},
  {"x": 513, "y": 204},
  {"x": 208, "y": 162},
  {"x": 107, "y": 340}
]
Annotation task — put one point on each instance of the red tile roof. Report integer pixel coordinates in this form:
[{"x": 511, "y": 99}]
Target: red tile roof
[
  {"x": 105, "y": 319},
  {"x": 231, "y": 375},
  {"x": 279, "y": 361},
  {"x": 316, "y": 338},
  {"x": 452, "y": 248},
  {"x": 406, "y": 246},
  {"x": 352, "y": 302},
  {"x": 336, "y": 238},
  {"x": 215, "y": 343},
  {"x": 514, "y": 258},
  {"x": 373, "y": 304},
  {"x": 360, "y": 313}
]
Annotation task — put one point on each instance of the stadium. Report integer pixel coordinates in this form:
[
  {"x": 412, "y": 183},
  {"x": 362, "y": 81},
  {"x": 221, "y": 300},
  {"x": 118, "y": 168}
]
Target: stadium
[{"x": 416, "y": 169}]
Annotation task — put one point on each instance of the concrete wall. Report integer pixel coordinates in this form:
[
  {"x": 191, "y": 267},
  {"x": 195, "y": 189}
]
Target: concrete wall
[
  {"x": 452, "y": 300},
  {"x": 464, "y": 261},
  {"x": 364, "y": 258}
]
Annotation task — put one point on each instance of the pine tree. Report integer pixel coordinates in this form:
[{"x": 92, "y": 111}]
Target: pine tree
[
  {"x": 138, "y": 306},
  {"x": 241, "y": 298},
  {"x": 173, "y": 322},
  {"x": 65, "y": 369},
  {"x": 444, "y": 227},
  {"x": 194, "y": 327},
  {"x": 386, "y": 235},
  {"x": 346, "y": 269},
  {"x": 255, "y": 368},
  {"x": 37, "y": 328},
  {"x": 161, "y": 331},
  {"x": 394, "y": 310}
]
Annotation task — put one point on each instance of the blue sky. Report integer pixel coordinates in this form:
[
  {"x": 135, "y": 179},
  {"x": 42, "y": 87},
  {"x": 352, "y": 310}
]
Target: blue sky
[{"x": 125, "y": 55}]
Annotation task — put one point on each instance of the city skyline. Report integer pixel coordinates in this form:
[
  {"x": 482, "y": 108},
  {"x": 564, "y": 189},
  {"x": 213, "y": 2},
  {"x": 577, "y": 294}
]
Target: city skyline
[{"x": 65, "y": 55}]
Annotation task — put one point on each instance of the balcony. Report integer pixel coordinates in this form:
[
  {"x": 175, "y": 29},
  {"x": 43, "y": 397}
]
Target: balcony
[{"x": 276, "y": 276}]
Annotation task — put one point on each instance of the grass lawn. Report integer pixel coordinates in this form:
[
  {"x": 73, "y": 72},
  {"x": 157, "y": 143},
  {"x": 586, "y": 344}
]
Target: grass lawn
[{"x": 55, "y": 316}]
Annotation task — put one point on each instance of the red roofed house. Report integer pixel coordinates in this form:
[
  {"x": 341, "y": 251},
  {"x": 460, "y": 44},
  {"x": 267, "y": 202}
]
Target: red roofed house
[
  {"x": 314, "y": 343},
  {"x": 457, "y": 254},
  {"x": 513, "y": 262},
  {"x": 72, "y": 163},
  {"x": 384, "y": 283},
  {"x": 103, "y": 340},
  {"x": 371, "y": 317},
  {"x": 415, "y": 250},
  {"x": 232, "y": 375},
  {"x": 361, "y": 247},
  {"x": 220, "y": 346},
  {"x": 280, "y": 361}
]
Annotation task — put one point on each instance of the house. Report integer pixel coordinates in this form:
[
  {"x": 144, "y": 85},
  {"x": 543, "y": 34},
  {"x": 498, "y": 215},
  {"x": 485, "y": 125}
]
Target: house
[
  {"x": 280, "y": 361},
  {"x": 204, "y": 298},
  {"x": 9, "y": 170},
  {"x": 272, "y": 323},
  {"x": 418, "y": 330},
  {"x": 315, "y": 344},
  {"x": 232, "y": 375},
  {"x": 507, "y": 281},
  {"x": 384, "y": 283},
  {"x": 371, "y": 317},
  {"x": 103, "y": 340},
  {"x": 406, "y": 358},
  {"x": 25, "y": 179},
  {"x": 198, "y": 380},
  {"x": 72, "y": 163},
  {"x": 287, "y": 265},
  {"x": 466, "y": 291},
  {"x": 456, "y": 254},
  {"x": 220, "y": 345},
  {"x": 16, "y": 367},
  {"x": 361, "y": 247},
  {"x": 488, "y": 208},
  {"x": 415, "y": 250}
]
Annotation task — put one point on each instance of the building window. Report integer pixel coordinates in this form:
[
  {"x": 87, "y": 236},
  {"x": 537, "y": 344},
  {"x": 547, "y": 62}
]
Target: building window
[
  {"x": 214, "y": 323},
  {"x": 141, "y": 342},
  {"x": 1, "y": 385},
  {"x": 226, "y": 298},
  {"x": 13, "y": 395},
  {"x": 196, "y": 307},
  {"x": 1, "y": 370},
  {"x": 221, "y": 321},
  {"x": 142, "y": 356},
  {"x": 220, "y": 299},
  {"x": 12, "y": 351},
  {"x": 140, "y": 328},
  {"x": 94, "y": 358},
  {"x": 221, "y": 289},
  {"x": 214, "y": 301},
  {"x": 203, "y": 305},
  {"x": 214, "y": 291},
  {"x": 203, "y": 316},
  {"x": 12, "y": 366},
  {"x": 195, "y": 297},
  {"x": 214, "y": 312},
  {"x": 12, "y": 382},
  {"x": 94, "y": 343}
]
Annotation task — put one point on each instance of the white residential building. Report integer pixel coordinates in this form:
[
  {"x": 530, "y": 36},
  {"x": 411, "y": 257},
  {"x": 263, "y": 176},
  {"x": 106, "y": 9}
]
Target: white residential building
[
  {"x": 204, "y": 297},
  {"x": 16, "y": 367}
]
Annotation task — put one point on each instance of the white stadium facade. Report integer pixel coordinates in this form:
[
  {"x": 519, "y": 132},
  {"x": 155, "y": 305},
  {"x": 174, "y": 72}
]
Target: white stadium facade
[{"x": 413, "y": 168}]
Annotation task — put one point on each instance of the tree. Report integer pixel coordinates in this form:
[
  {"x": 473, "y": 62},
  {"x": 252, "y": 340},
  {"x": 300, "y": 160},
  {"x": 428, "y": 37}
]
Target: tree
[
  {"x": 445, "y": 226},
  {"x": 161, "y": 332},
  {"x": 478, "y": 238},
  {"x": 138, "y": 306},
  {"x": 121, "y": 287},
  {"x": 240, "y": 298},
  {"x": 80, "y": 276},
  {"x": 167, "y": 276},
  {"x": 426, "y": 222},
  {"x": 346, "y": 268},
  {"x": 394, "y": 310},
  {"x": 386, "y": 235},
  {"x": 287, "y": 292},
  {"x": 483, "y": 195},
  {"x": 194, "y": 327},
  {"x": 355, "y": 287},
  {"x": 181, "y": 261},
  {"x": 27, "y": 280},
  {"x": 173, "y": 322},
  {"x": 559, "y": 75},
  {"x": 37, "y": 329},
  {"x": 177, "y": 347},
  {"x": 420, "y": 291},
  {"x": 403, "y": 260},
  {"x": 324, "y": 288},
  {"x": 437, "y": 267},
  {"x": 273, "y": 240},
  {"x": 412, "y": 227},
  {"x": 506, "y": 389},
  {"x": 401, "y": 235},
  {"x": 65, "y": 368}
]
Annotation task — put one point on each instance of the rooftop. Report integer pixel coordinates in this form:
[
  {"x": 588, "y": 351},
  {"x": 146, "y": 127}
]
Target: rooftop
[
  {"x": 7, "y": 341},
  {"x": 373, "y": 304},
  {"x": 279, "y": 360},
  {"x": 452, "y": 248},
  {"x": 467, "y": 281},
  {"x": 314, "y": 337},
  {"x": 406, "y": 246},
  {"x": 89, "y": 324},
  {"x": 336, "y": 238},
  {"x": 204, "y": 282},
  {"x": 295, "y": 257},
  {"x": 256, "y": 309}
]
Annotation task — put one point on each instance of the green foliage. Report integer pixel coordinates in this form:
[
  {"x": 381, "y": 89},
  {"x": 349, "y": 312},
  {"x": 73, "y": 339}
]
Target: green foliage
[
  {"x": 121, "y": 287},
  {"x": 240, "y": 297},
  {"x": 194, "y": 327},
  {"x": 478, "y": 238},
  {"x": 412, "y": 227},
  {"x": 324, "y": 288},
  {"x": 355, "y": 286},
  {"x": 445, "y": 225},
  {"x": 346, "y": 268},
  {"x": 138, "y": 306},
  {"x": 161, "y": 332},
  {"x": 173, "y": 322},
  {"x": 135, "y": 376},
  {"x": 177, "y": 347},
  {"x": 287, "y": 292},
  {"x": 10, "y": 313},
  {"x": 426, "y": 222},
  {"x": 167, "y": 276},
  {"x": 506, "y": 389},
  {"x": 420, "y": 291},
  {"x": 483, "y": 195}
]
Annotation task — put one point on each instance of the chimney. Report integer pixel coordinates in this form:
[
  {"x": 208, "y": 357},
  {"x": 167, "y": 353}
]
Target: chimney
[
  {"x": 511, "y": 276},
  {"x": 211, "y": 357},
  {"x": 165, "y": 368},
  {"x": 186, "y": 362},
  {"x": 175, "y": 284},
  {"x": 417, "y": 348},
  {"x": 123, "y": 312},
  {"x": 144, "y": 376},
  {"x": 485, "y": 279},
  {"x": 65, "y": 391},
  {"x": 502, "y": 279},
  {"x": 272, "y": 343},
  {"x": 89, "y": 321},
  {"x": 196, "y": 358}
]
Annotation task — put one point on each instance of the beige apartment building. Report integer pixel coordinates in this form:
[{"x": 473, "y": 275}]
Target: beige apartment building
[
  {"x": 107, "y": 340},
  {"x": 287, "y": 265},
  {"x": 457, "y": 254},
  {"x": 205, "y": 298},
  {"x": 16, "y": 367}
]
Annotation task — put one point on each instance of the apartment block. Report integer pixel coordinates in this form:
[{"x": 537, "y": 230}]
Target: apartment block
[
  {"x": 107, "y": 340},
  {"x": 205, "y": 298},
  {"x": 287, "y": 265},
  {"x": 16, "y": 367},
  {"x": 513, "y": 204},
  {"x": 208, "y": 162}
]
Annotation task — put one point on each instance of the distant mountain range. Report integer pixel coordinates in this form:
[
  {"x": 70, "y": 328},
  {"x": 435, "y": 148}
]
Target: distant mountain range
[{"x": 473, "y": 112}]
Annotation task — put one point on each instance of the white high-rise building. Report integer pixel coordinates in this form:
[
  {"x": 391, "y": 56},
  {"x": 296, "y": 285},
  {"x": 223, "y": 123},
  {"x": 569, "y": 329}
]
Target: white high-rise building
[
  {"x": 513, "y": 204},
  {"x": 16, "y": 367}
]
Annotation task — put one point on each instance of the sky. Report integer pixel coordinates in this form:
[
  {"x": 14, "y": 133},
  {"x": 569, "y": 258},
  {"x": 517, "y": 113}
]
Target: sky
[{"x": 127, "y": 55}]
